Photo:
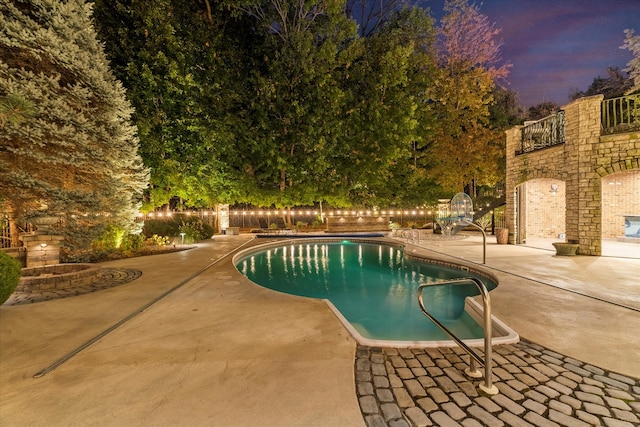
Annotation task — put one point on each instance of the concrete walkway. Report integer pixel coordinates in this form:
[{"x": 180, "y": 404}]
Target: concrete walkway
[
  {"x": 215, "y": 349},
  {"x": 218, "y": 351}
]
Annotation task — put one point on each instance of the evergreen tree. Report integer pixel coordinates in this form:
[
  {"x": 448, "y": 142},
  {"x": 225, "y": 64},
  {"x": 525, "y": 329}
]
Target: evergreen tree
[{"x": 75, "y": 155}]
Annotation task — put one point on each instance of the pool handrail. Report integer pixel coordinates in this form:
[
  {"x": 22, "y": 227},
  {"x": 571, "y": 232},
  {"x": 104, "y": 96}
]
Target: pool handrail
[
  {"x": 413, "y": 234},
  {"x": 488, "y": 386}
]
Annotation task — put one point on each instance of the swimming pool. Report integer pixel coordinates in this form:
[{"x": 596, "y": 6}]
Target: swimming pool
[{"x": 372, "y": 287}]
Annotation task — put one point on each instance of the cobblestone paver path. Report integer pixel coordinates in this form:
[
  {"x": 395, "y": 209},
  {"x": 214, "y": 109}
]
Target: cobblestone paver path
[
  {"x": 106, "y": 278},
  {"x": 538, "y": 387}
]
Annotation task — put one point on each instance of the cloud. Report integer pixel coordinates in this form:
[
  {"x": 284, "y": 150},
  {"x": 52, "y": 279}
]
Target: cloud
[
  {"x": 559, "y": 46},
  {"x": 555, "y": 46}
]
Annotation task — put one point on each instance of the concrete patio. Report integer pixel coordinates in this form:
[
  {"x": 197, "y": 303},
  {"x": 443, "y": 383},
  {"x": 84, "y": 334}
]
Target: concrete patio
[{"x": 219, "y": 350}]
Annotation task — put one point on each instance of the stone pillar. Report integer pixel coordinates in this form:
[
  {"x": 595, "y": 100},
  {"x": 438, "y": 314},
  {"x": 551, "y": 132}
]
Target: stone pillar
[
  {"x": 42, "y": 248},
  {"x": 583, "y": 185},
  {"x": 223, "y": 217},
  {"x": 514, "y": 177}
]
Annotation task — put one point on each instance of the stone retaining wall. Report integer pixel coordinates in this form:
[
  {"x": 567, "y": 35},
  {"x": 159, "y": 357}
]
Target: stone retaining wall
[
  {"x": 361, "y": 223},
  {"x": 59, "y": 276}
]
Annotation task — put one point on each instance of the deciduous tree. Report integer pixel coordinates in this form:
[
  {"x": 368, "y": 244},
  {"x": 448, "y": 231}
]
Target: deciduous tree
[
  {"x": 181, "y": 76},
  {"x": 632, "y": 44},
  {"x": 615, "y": 84},
  {"x": 389, "y": 116},
  {"x": 294, "y": 113},
  {"x": 466, "y": 148},
  {"x": 542, "y": 110}
]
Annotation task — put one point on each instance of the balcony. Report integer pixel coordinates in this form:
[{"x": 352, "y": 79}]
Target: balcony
[
  {"x": 620, "y": 115},
  {"x": 542, "y": 133}
]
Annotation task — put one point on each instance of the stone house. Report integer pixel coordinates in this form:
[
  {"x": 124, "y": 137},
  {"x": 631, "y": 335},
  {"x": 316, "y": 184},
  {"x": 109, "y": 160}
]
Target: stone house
[{"x": 575, "y": 176}]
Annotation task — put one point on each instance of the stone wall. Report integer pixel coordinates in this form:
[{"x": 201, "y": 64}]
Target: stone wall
[
  {"x": 59, "y": 276},
  {"x": 545, "y": 209},
  {"x": 42, "y": 248},
  {"x": 580, "y": 162},
  {"x": 360, "y": 223},
  {"x": 620, "y": 197}
]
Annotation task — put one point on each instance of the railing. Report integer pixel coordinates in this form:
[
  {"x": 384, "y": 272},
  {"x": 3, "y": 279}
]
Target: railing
[
  {"x": 472, "y": 371},
  {"x": 5, "y": 233},
  {"x": 620, "y": 114},
  {"x": 543, "y": 133}
]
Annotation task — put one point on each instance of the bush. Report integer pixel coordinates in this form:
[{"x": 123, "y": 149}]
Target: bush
[
  {"x": 67, "y": 255},
  {"x": 132, "y": 242},
  {"x": 195, "y": 229},
  {"x": 191, "y": 231},
  {"x": 110, "y": 239},
  {"x": 159, "y": 240},
  {"x": 9, "y": 276},
  {"x": 160, "y": 228}
]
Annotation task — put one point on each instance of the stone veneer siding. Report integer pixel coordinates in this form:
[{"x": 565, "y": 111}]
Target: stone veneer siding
[
  {"x": 581, "y": 162},
  {"x": 341, "y": 224},
  {"x": 545, "y": 209},
  {"x": 620, "y": 196}
]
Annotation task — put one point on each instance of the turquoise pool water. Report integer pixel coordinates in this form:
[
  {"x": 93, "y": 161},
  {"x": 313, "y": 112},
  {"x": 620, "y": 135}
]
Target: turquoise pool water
[{"x": 373, "y": 285}]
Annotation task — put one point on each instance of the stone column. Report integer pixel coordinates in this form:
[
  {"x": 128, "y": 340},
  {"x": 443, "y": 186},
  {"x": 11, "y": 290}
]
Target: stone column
[
  {"x": 583, "y": 185},
  {"x": 515, "y": 176},
  {"x": 42, "y": 248},
  {"x": 223, "y": 217}
]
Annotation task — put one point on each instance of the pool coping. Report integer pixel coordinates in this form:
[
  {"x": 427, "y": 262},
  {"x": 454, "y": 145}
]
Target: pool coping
[
  {"x": 472, "y": 307},
  {"x": 502, "y": 333}
]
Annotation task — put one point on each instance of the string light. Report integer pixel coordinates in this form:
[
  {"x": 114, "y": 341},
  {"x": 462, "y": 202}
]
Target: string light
[{"x": 337, "y": 212}]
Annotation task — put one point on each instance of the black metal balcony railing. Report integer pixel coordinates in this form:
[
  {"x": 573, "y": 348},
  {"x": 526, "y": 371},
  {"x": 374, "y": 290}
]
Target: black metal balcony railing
[
  {"x": 620, "y": 114},
  {"x": 543, "y": 133}
]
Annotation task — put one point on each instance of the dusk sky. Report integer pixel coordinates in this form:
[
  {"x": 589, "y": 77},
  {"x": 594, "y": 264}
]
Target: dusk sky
[{"x": 558, "y": 45}]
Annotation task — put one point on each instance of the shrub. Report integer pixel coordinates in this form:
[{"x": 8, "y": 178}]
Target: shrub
[
  {"x": 159, "y": 240},
  {"x": 195, "y": 229},
  {"x": 9, "y": 276},
  {"x": 132, "y": 242},
  {"x": 484, "y": 221},
  {"x": 159, "y": 228},
  {"x": 192, "y": 231},
  {"x": 67, "y": 255},
  {"x": 110, "y": 239}
]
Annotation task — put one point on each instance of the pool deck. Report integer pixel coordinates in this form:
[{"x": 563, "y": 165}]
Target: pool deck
[{"x": 192, "y": 342}]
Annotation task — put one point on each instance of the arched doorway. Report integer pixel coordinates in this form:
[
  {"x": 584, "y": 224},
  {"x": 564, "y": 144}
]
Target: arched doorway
[{"x": 621, "y": 214}]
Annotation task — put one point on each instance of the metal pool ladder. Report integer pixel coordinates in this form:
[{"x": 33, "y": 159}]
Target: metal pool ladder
[{"x": 472, "y": 371}]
